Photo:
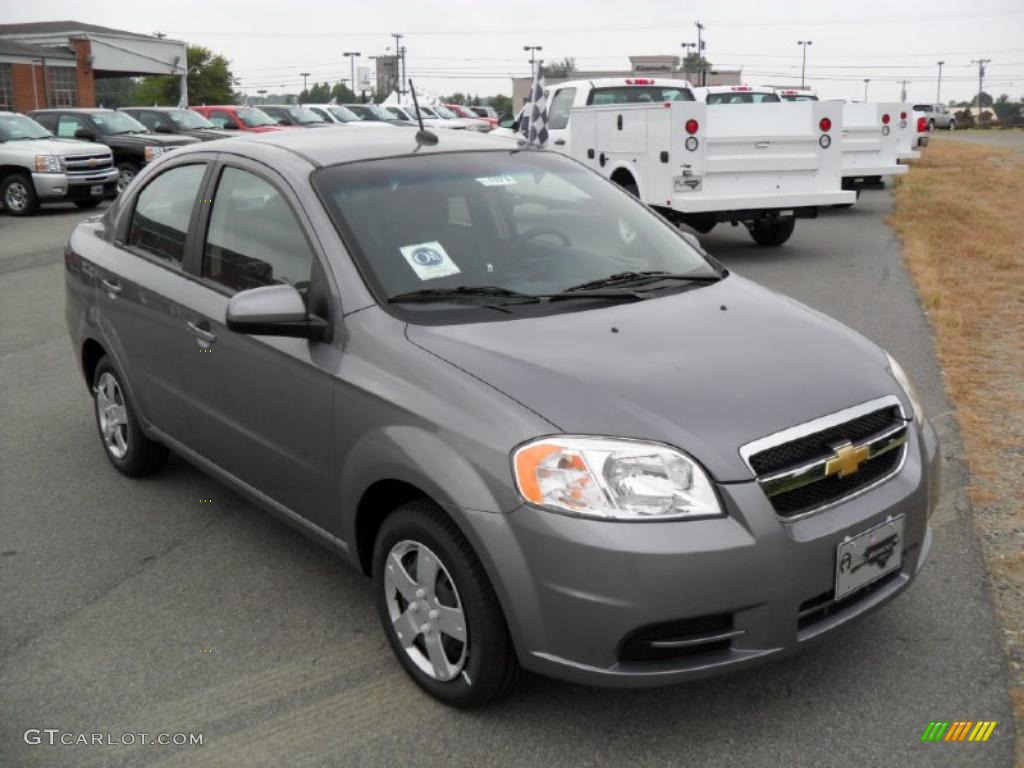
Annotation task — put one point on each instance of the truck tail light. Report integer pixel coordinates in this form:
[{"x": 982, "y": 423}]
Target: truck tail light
[
  {"x": 885, "y": 119},
  {"x": 825, "y": 124},
  {"x": 692, "y": 126},
  {"x": 922, "y": 124},
  {"x": 903, "y": 115}
]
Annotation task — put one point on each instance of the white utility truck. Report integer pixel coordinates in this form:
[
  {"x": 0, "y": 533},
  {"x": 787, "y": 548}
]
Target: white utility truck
[
  {"x": 870, "y": 144},
  {"x": 796, "y": 94},
  {"x": 699, "y": 165},
  {"x": 911, "y": 134}
]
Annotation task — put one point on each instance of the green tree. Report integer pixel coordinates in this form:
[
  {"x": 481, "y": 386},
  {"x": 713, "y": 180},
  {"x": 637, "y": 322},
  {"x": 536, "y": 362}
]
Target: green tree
[
  {"x": 209, "y": 82},
  {"x": 562, "y": 68},
  {"x": 342, "y": 93},
  {"x": 502, "y": 104},
  {"x": 695, "y": 63},
  {"x": 986, "y": 99},
  {"x": 1006, "y": 110}
]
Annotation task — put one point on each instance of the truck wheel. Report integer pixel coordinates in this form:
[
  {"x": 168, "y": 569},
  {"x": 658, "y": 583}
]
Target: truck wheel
[
  {"x": 87, "y": 205},
  {"x": 952, "y": 125},
  {"x": 772, "y": 232},
  {"x": 439, "y": 611},
  {"x": 126, "y": 172},
  {"x": 19, "y": 195}
]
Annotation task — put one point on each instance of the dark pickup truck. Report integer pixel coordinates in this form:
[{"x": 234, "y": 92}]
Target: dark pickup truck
[
  {"x": 132, "y": 144},
  {"x": 179, "y": 122}
]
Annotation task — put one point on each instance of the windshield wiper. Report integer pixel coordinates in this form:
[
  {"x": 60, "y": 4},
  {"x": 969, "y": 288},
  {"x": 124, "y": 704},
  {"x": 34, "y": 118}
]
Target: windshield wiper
[
  {"x": 641, "y": 277},
  {"x": 497, "y": 292}
]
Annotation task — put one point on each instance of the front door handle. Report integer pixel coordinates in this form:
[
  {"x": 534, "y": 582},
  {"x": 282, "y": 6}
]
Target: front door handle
[
  {"x": 203, "y": 335},
  {"x": 112, "y": 287},
  {"x": 559, "y": 142}
]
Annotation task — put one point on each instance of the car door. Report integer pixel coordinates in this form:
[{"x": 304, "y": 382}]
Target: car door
[
  {"x": 141, "y": 280},
  {"x": 261, "y": 406},
  {"x": 559, "y": 110}
]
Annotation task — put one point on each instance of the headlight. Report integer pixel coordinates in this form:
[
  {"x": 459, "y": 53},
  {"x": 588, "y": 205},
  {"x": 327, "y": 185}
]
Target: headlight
[
  {"x": 908, "y": 388},
  {"x": 151, "y": 153},
  {"x": 48, "y": 164},
  {"x": 613, "y": 479}
]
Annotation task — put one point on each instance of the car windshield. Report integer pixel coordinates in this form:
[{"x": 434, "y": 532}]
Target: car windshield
[
  {"x": 304, "y": 115},
  {"x": 21, "y": 128},
  {"x": 743, "y": 97},
  {"x": 189, "y": 120},
  {"x": 398, "y": 112},
  {"x": 633, "y": 94},
  {"x": 344, "y": 114},
  {"x": 112, "y": 123},
  {"x": 425, "y": 111},
  {"x": 255, "y": 118},
  {"x": 499, "y": 222},
  {"x": 444, "y": 112},
  {"x": 799, "y": 97},
  {"x": 371, "y": 112}
]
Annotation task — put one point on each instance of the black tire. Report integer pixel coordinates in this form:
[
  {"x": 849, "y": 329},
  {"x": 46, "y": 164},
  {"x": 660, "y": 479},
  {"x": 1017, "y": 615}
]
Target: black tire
[
  {"x": 490, "y": 665},
  {"x": 18, "y": 195},
  {"x": 127, "y": 171},
  {"x": 629, "y": 184},
  {"x": 87, "y": 205},
  {"x": 141, "y": 456},
  {"x": 772, "y": 232},
  {"x": 952, "y": 125}
]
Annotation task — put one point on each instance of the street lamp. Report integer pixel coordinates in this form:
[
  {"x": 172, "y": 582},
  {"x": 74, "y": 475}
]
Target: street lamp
[
  {"x": 866, "y": 81},
  {"x": 803, "y": 68},
  {"x": 304, "y": 76},
  {"x": 938, "y": 88},
  {"x": 351, "y": 56},
  {"x": 686, "y": 57},
  {"x": 533, "y": 59},
  {"x": 262, "y": 94}
]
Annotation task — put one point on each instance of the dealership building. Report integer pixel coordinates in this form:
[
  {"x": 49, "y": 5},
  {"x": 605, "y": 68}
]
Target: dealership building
[
  {"x": 664, "y": 66},
  {"x": 57, "y": 63}
]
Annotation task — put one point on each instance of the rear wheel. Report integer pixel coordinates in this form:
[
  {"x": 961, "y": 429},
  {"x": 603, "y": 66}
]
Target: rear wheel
[
  {"x": 772, "y": 232},
  {"x": 126, "y": 172},
  {"x": 439, "y": 611},
  {"x": 952, "y": 125},
  {"x": 19, "y": 195},
  {"x": 130, "y": 451}
]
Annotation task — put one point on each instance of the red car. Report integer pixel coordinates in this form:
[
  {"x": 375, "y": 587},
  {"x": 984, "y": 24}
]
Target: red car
[
  {"x": 469, "y": 114},
  {"x": 231, "y": 117}
]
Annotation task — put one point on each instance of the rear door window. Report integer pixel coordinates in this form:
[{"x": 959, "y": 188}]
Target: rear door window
[
  {"x": 163, "y": 210},
  {"x": 68, "y": 124},
  {"x": 631, "y": 94}
]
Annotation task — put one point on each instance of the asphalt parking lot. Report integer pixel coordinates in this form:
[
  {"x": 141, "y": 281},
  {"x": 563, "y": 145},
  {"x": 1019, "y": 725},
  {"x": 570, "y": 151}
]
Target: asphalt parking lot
[{"x": 138, "y": 606}]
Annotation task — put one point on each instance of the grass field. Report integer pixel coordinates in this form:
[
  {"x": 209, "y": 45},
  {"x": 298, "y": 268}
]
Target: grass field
[{"x": 960, "y": 214}]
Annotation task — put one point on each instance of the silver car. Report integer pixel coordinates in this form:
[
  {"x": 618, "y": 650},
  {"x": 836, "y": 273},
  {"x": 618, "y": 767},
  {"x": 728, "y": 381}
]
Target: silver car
[{"x": 555, "y": 432}]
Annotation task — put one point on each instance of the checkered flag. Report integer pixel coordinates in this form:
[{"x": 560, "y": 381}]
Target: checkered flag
[{"x": 537, "y": 111}]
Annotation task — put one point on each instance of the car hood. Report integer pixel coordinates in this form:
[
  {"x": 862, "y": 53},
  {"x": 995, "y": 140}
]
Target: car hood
[
  {"x": 207, "y": 134},
  {"x": 707, "y": 370},
  {"x": 148, "y": 140},
  {"x": 55, "y": 146}
]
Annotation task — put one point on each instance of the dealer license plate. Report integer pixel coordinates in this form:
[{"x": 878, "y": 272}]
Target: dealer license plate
[{"x": 868, "y": 556}]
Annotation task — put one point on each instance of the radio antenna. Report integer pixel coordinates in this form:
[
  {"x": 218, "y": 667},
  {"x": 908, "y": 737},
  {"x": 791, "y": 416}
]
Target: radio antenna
[{"x": 423, "y": 136}]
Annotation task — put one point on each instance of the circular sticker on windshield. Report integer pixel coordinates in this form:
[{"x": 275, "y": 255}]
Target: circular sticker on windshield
[{"x": 429, "y": 260}]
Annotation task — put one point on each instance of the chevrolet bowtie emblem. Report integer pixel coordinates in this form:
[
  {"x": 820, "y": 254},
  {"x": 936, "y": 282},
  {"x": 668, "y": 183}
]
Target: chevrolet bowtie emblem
[{"x": 847, "y": 459}]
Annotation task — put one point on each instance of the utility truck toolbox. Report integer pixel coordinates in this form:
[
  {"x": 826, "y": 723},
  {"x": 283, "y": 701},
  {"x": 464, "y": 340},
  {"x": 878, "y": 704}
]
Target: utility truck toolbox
[{"x": 869, "y": 144}]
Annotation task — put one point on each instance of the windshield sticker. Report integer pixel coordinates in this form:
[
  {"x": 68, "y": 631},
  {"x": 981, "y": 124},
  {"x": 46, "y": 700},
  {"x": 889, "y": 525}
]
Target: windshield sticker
[
  {"x": 429, "y": 260},
  {"x": 497, "y": 181}
]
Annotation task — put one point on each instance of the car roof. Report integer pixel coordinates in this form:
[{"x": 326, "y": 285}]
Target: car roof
[
  {"x": 151, "y": 109},
  {"x": 331, "y": 147},
  {"x": 82, "y": 110}
]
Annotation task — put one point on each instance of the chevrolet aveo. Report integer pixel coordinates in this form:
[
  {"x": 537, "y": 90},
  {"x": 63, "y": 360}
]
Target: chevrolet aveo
[{"x": 555, "y": 432}]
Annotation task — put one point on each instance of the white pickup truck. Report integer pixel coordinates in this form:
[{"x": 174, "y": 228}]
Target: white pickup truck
[
  {"x": 870, "y": 144},
  {"x": 699, "y": 165}
]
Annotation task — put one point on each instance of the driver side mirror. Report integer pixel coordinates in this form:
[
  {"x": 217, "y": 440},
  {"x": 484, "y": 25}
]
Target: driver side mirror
[
  {"x": 84, "y": 134},
  {"x": 274, "y": 310}
]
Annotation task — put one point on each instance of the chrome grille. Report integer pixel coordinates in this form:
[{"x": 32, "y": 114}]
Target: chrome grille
[
  {"x": 85, "y": 165},
  {"x": 812, "y": 466}
]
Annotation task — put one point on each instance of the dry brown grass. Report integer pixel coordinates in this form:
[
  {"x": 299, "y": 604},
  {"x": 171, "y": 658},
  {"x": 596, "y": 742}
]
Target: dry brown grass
[{"x": 960, "y": 214}]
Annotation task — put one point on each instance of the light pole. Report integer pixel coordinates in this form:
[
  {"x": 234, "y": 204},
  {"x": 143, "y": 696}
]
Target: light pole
[
  {"x": 533, "y": 49},
  {"x": 262, "y": 94},
  {"x": 305, "y": 90},
  {"x": 866, "y": 81},
  {"x": 903, "y": 89},
  {"x": 938, "y": 88},
  {"x": 399, "y": 58},
  {"x": 700, "y": 51},
  {"x": 803, "y": 68},
  {"x": 981, "y": 76},
  {"x": 686, "y": 58},
  {"x": 351, "y": 56}
]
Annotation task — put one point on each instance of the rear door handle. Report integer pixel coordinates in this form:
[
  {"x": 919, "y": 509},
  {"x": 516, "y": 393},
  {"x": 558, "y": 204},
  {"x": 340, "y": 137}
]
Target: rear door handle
[
  {"x": 201, "y": 334},
  {"x": 559, "y": 142},
  {"x": 111, "y": 286}
]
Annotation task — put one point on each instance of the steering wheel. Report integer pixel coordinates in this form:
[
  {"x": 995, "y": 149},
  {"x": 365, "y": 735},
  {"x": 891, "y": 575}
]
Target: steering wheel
[{"x": 541, "y": 231}]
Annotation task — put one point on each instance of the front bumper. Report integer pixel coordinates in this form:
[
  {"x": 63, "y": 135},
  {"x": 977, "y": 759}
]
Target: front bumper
[
  {"x": 575, "y": 590},
  {"x": 51, "y": 187}
]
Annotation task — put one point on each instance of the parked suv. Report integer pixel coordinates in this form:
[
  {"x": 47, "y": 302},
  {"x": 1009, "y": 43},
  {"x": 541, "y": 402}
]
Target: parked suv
[
  {"x": 937, "y": 115},
  {"x": 181, "y": 122},
  {"x": 555, "y": 432},
  {"x": 245, "y": 119},
  {"x": 37, "y": 168},
  {"x": 131, "y": 142}
]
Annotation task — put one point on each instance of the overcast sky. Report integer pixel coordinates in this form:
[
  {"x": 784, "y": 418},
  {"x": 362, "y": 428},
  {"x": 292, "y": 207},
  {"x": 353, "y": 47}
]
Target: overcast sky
[{"x": 459, "y": 45}]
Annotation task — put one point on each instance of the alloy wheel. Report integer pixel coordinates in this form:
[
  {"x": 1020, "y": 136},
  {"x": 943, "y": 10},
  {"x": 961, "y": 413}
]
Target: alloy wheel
[
  {"x": 16, "y": 199},
  {"x": 425, "y": 610},
  {"x": 113, "y": 415},
  {"x": 124, "y": 178}
]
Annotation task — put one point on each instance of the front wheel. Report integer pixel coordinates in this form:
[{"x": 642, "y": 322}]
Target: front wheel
[
  {"x": 19, "y": 195},
  {"x": 126, "y": 172},
  {"x": 772, "y": 232},
  {"x": 129, "y": 450},
  {"x": 439, "y": 611},
  {"x": 952, "y": 125}
]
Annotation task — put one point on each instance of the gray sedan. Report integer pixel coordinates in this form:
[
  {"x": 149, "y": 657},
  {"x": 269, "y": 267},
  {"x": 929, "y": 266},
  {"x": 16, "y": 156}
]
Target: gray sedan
[{"x": 555, "y": 432}]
